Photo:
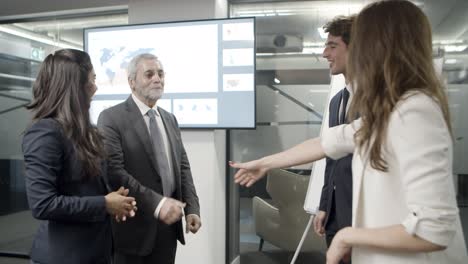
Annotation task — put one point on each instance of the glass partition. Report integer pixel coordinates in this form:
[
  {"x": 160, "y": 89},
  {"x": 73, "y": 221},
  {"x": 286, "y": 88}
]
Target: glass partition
[{"x": 23, "y": 46}]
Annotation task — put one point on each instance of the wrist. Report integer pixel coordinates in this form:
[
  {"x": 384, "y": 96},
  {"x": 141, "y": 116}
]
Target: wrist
[
  {"x": 346, "y": 236},
  {"x": 107, "y": 203},
  {"x": 106, "y": 200},
  {"x": 265, "y": 163}
]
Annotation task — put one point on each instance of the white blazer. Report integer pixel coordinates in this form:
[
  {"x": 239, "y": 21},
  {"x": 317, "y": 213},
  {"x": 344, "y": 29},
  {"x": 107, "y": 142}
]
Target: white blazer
[{"x": 417, "y": 191}]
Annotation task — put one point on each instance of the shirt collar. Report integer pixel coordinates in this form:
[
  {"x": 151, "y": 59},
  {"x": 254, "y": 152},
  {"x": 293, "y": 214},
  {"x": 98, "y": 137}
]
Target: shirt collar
[{"x": 143, "y": 107}]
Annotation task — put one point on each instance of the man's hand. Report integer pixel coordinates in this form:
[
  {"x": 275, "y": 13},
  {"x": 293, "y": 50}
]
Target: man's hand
[
  {"x": 193, "y": 223},
  {"x": 319, "y": 219},
  {"x": 171, "y": 211}
]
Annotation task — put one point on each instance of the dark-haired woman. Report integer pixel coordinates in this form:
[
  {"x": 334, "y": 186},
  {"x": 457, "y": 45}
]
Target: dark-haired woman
[{"x": 65, "y": 167}]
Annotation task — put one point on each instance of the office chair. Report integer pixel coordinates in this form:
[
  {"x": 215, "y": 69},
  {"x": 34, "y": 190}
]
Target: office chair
[{"x": 283, "y": 221}]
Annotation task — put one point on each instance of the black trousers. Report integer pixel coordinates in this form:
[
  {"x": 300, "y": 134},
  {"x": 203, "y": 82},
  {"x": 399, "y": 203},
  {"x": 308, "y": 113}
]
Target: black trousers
[
  {"x": 164, "y": 251},
  {"x": 333, "y": 225}
]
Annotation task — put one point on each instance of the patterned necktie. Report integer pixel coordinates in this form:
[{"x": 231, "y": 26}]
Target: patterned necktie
[
  {"x": 345, "y": 96},
  {"x": 160, "y": 153}
]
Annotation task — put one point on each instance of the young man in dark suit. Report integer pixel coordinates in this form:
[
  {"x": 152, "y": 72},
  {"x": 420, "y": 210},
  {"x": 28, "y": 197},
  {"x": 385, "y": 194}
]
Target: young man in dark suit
[
  {"x": 146, "y": 154},
  {"x": 336, "y": 199}
]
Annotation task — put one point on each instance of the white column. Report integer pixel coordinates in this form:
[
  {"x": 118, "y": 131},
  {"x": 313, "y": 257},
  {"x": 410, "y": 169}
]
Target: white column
[{"x": 206, "y": 149}]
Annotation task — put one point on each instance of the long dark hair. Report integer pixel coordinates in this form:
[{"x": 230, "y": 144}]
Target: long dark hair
[
  {"x": 62, "y": 91},
  {"x": 390, "y": 54}
]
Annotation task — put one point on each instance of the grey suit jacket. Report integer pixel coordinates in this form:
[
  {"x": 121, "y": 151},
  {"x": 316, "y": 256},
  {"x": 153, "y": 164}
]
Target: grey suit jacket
[{"x": 132, "y": 164}]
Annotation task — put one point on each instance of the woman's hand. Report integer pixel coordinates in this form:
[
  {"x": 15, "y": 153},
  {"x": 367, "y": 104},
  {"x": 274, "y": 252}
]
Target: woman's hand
[
  {"x": 339, "y": 250},
  {"x": 119, "y": 205},
  {"x": 249, "y": 172}
]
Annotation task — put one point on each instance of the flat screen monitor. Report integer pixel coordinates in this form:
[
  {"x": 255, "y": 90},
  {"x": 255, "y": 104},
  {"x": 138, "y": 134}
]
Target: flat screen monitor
[{"x": 209, "y": 68}]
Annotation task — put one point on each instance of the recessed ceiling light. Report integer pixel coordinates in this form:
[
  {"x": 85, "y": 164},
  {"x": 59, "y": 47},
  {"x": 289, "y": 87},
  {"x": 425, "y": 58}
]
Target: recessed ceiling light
[
  {"x": 450, "y": 61},
  {"x": 322, "y": 33}
]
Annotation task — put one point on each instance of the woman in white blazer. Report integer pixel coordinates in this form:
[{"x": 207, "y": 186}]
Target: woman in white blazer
[{"x": 404, "y": 206}]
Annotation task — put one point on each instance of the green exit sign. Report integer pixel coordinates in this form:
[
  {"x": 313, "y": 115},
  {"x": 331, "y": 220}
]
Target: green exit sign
[{"x": 37, "y": 53}]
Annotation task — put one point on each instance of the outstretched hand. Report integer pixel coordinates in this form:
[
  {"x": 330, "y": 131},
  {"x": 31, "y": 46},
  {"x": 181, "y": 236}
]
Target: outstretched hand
[{"x": 249, "y": 172}]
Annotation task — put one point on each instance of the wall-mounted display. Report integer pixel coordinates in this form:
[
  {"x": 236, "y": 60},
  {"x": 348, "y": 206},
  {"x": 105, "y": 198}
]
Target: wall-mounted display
[{"x": 209, "y": 68}]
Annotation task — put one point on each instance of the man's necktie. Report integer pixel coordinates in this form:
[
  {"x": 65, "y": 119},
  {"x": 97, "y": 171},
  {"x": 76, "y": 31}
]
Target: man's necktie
[
  {"x": 345, "y": 97},
  {"x": 160, "y": 153}
]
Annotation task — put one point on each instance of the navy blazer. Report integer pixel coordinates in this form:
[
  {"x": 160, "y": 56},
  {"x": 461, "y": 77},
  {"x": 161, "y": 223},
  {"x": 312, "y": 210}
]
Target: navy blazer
[
  {"x": 338, "y": 177},
  {"x": 76, "y": 226}
]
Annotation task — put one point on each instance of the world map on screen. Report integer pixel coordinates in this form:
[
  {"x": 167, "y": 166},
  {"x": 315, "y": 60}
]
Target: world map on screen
[{"x": 112, "y": 60}]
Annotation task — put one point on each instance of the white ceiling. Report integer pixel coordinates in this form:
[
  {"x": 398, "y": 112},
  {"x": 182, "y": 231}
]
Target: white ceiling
[
  {"x": 449, "y": 18},
  {"x": 299, "y": 19}
]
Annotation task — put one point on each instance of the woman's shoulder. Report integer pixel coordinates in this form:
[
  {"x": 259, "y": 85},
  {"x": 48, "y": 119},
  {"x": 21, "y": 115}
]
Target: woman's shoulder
[
  {"x": 417, "y": 110},
  {"x": 44, "y": 126},
  {"x": 416, "y": 99},
  {"x": 46, "y": 123},
  {"x": 420, "y": 104},
  {"x": 43, "y": 135}
]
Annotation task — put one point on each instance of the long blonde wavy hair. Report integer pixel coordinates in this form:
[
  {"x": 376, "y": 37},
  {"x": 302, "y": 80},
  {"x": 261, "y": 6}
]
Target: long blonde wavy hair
[{"x": 390, "y": 54}]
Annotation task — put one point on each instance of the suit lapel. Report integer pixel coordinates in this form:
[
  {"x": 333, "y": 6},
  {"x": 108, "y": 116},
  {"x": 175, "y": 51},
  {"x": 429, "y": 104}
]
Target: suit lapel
[
  {"x": 141, "y": 130},
  {"x": 335, "y": 111}
]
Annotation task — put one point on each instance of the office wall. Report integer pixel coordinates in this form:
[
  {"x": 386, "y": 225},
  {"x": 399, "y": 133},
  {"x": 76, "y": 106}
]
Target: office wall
[
  {"x": 145, "y": 11},
  {"x": 13, "y": 117},
  {"x": 12, "y": 133},
  {"x": 458, "y": 98},
  {"x": 21, "y": 7}
]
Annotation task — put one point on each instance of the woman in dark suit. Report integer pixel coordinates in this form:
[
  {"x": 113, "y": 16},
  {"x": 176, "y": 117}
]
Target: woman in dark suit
[{"x": 65, "y": 166}]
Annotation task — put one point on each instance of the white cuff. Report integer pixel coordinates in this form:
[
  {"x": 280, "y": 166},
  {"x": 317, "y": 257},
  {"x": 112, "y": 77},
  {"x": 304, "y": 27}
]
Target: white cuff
[
  {"x": 158, "y": 208},
  {"x": 436, "y": 226}
]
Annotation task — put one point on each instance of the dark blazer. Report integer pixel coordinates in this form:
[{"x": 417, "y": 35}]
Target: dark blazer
[
  {"x": 338, "y": 174},
  {"x": 132, "y": 164},
  {"x": 77, "y": 227}
]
